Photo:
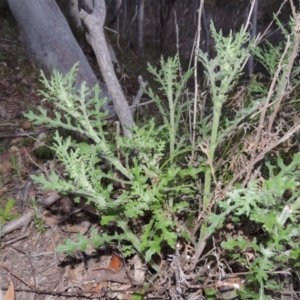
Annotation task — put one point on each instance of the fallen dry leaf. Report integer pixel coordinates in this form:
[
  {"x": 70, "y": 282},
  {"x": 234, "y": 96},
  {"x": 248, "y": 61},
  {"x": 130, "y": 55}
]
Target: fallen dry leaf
[
  {"x": 105, "y": 274},
  {"x": 17, "y": 140},
  {"x": 6, "y": 168},
  {"x": 75, "y": 273},
  {"x": 81, "y": 227},
  {"x": 99, "y": 286},
  {"x": 139, "y": 270},
  {"x": 122, "y": 296},
  {"x": 115, "y": 263},
  {"x": 25, "y": 124},
  {"x": 88, "y": 286},
  {"x": 10, "y": 294},
  {"x": 50, "y": 220}
]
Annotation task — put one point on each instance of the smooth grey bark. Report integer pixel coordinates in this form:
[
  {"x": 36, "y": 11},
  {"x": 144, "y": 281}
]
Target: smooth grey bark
[
  {"x": 115, "y": 22},
  {"x": 140, "y": 27},
  {"x": 250, "y": 65},
  {"x": 95, "y": 22},
  {"x": 49, "y": 41}
]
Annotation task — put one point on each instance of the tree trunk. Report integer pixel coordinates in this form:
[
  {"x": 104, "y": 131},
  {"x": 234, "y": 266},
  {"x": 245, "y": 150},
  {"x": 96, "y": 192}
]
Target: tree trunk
[
  {"x": 96, "y": 38},
  {"x": 75, "y": 6},
  {"x": 49, "y": 40},
  {"x": 140, "y": 27},
  {"x": 115, "y": 21},
  {"x": 88, "y": 5},
  {"x": 253, "y": 35}
]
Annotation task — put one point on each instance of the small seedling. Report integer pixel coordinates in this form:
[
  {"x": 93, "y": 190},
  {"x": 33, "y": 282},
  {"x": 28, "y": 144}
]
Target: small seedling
[
  {"x": 5, "y": 213},
  {"x": 38, "y": 221},
  {"x": 14, "y": 162}
]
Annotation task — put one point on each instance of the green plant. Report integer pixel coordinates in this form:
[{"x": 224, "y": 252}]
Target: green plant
[
  {"x": 234, "y": 146},
  {"x": 222, "y": 72},
  {"x": 171, "y": 88},
  {"x": 140, "y": 185},
  {"x": 38, "y": 221},
  {"x": 14, "y": 162},
  {"x": 153, "y": 185},
  {"x": 277, "y": 248},
  {"x": 5, "y": 213}
]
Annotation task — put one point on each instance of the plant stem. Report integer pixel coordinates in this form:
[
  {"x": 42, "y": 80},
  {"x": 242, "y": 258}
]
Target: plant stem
[{"x": 135, "y": 241}]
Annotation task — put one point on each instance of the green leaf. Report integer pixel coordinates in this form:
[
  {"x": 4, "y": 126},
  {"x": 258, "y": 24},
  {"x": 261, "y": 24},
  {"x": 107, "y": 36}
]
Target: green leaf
[{"x": 9, "y": 205}]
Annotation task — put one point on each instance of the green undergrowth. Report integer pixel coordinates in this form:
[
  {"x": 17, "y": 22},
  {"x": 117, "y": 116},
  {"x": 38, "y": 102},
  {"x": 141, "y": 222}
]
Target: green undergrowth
[
  {"x": 140, "y": 180},
  {"x": 163, "y": 186},
  {"x": 6, "y": 212}
]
